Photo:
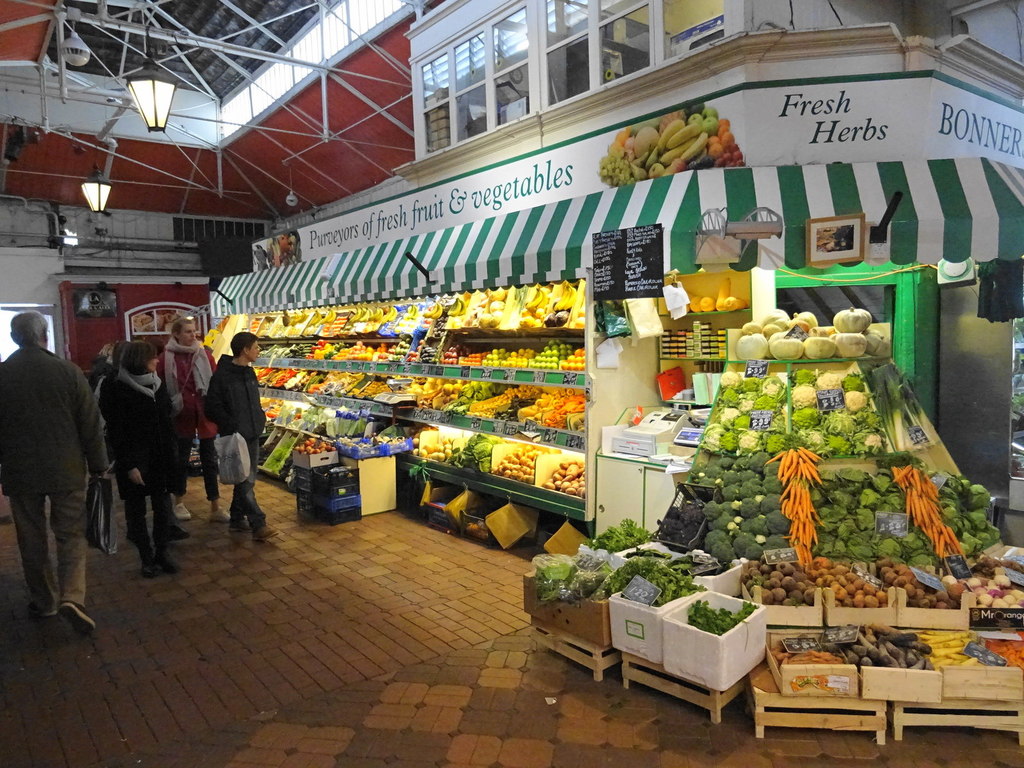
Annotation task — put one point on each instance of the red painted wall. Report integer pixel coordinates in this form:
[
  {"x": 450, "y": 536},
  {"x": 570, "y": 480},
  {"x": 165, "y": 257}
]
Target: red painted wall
[{"x": 85, "y": 336}]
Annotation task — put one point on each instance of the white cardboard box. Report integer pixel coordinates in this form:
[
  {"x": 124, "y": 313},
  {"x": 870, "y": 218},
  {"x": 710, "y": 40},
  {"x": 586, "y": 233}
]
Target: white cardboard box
[
  {"x": 715, "y": 661},
  {"x": 637, "y": 628}
]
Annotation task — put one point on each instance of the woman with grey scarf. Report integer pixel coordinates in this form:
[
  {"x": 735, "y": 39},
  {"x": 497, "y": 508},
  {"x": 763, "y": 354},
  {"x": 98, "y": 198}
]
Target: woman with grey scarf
[{"x": 137, "y": 410}]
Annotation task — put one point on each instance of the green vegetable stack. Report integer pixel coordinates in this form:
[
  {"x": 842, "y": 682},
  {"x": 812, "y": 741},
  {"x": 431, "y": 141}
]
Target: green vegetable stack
[
  {"x": 729, "y": 428},
  {"x": 748, "y": 519},
  {"x": 625, "y": 535},
  {"x": 671, "y": 577},
  {"x": 717, "y": 622}
]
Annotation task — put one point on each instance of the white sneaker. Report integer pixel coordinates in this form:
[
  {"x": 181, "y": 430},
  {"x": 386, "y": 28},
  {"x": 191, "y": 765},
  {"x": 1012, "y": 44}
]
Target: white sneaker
[
  {"x": 219, "y": 515},
  {"x": 181, "y": 512}
]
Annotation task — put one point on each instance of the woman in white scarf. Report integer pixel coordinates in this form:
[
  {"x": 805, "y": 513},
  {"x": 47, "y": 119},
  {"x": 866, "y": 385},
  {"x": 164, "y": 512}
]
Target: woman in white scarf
[{"x": 186, "y": 366}]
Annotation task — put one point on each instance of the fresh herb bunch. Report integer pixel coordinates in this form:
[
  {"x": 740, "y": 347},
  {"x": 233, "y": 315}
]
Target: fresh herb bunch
[
  {"x": 717, "y": 622},
  {"x": 671, "y": 577},
  {"x": 625, "y": 535}
]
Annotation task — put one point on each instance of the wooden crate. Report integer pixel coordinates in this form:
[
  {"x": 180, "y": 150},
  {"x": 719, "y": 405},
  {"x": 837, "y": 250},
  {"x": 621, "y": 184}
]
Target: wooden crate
[
  {"x": 838, "y": 615},
  {"x": 635, "y": 669},
  {"x": 833, "y": 681},
  {"x": 587, "y": 620},
  {"x": 907, "y": 685},
  {"x": 829, "y": 712},
  {"x": 590, "y": 655},
  {"x": 790, "y": 615},
  {"x": 959, "y": 713},
  {"x": 932, "y": 618},
  {"x": 983, "y": 683}
]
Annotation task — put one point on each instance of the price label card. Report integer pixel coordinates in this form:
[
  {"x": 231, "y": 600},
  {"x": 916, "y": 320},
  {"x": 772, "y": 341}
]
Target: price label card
[
  {"x": 796, "y": 332},
  {"x": 761, "y": 420},
  {"x": 437, "y": 370},
  {"x": 575, "y": 441},
  {"x": 756, "y": 369},
  {"x": 940, "y": 480},
  {"x": 1015, "y": 577},
  {"x": 784, "y": 555},
  {"x": 917, "y": 435},
  {"x": 927, "y": 579},
  {"x": 474, "y": 423},
  {"x": 464, "y": 371},
  {"x": 892, "y": 524},
  {"x": 867, "y": 576},
  {"x": 538, "y": 377},
  {"x": 984, "y": 655},
  {"x": 801, "y": 644},
  {"x": 957, "y": 567},
  {"x": 531, "y": 426},
  {"x": 831, "y": 399},
  {"x": 444, "y": 417},
  {"x": 568, "y": 379},
  {"x": 498, "y": 426},
  {"x": 502, "y": 374},
  {"x": 640, "y": 590},
  {"x": 511, "y": 428},
  {"x": 549, "y": 436},
  {"x": 841, "y": 635},
  {"x": 1015, "y": 559}
]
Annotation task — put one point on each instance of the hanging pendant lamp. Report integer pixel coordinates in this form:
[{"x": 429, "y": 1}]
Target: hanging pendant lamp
[
  {"x": 152, "y": 90},
  {"x": 96, "y": 189}
]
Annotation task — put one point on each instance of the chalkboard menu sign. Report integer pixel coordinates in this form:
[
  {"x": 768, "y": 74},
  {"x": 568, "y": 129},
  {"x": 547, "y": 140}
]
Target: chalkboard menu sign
[
  {"x": 927, "y": 579},
  {"x": 629, "y": 263},
  {"x": 761, "y": 421},
  {"x": 839, "y": 635},
  {"x": 784, "y": 555}
]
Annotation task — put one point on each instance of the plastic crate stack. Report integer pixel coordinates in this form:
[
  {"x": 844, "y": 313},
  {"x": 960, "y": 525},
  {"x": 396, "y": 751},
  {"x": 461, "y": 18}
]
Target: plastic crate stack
[{"x": 328, "y": 494}]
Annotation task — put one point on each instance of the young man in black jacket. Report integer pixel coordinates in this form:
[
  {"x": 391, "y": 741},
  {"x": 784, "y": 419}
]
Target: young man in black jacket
[{"x": 233, "y": 404}]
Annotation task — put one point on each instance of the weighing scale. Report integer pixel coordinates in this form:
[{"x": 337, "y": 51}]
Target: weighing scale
[
  {"x": 394, "y": 398},
  {"x": 653, "y": 435}
]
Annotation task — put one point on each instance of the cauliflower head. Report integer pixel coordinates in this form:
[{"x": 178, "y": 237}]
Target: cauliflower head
[
  {"x": 855, "y": 401},
  {"x": 805, "y": 396},
  {"x": 829, "y": 380}
]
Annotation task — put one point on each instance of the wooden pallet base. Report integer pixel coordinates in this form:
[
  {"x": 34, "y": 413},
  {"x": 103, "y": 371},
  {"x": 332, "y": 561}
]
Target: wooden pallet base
[
  {"x": 992, "y": 715},
  {"x": 636, "y": 669},
  {"x": 594, "y": 657},
  {"x": 833, "y": 713}
]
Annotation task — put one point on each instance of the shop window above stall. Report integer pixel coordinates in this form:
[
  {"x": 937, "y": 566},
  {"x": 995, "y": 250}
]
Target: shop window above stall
[
  {"x": 625, "y": 39},
  {"x": 435, "y": 99},
  {"x": 512, "y": 72},
  {"x": 568, "y": 57}
]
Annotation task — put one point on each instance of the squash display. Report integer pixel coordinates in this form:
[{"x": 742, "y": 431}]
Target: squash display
[{"x": 852, "y": 320}]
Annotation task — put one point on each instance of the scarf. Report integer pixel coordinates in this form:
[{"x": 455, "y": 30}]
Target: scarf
[
  {"x": 146, "y": 383},
  {"x": 200, "y": 370}
]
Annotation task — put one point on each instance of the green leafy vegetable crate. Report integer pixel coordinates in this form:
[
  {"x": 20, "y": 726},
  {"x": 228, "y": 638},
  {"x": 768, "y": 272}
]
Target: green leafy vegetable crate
[
  {"x": 638, "y": 628},
  {"x": 715, "y": 661}
]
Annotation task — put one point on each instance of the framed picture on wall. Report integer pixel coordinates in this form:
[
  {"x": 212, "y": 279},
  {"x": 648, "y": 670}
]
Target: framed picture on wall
[{"x": 835, "y": 240}]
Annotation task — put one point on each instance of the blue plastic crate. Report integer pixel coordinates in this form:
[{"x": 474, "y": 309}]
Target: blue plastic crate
[{"x": 337, "y": 503}]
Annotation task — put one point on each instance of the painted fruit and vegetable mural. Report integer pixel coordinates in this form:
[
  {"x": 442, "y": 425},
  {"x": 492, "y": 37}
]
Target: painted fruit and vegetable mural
[{"x": 689, "y": 138}]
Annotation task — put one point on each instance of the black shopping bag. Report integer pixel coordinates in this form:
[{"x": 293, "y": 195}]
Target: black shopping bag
[{"x": 100, "y": 525}]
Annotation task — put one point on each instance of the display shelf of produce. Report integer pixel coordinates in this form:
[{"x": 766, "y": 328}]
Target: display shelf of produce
[
  {"x": 695, "y": 359},
  {"x": 687, "y": 402},
  {"x": 716, "y": 312},
  {"x": 540, "y": 377},
  {"x": 556, "y": 438},
  {"x": 495, "y": 485},
  {"x": 352, "y": 403},
  {"x": 804, "y": 361},
  {"x": 482, "y": 336}
]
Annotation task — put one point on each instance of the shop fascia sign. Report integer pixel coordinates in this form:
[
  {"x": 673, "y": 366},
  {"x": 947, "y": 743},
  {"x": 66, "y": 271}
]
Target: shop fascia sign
[{"x": 863, "y": 119}]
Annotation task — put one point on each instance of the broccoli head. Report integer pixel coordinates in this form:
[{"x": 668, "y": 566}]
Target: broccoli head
[
  {"x": 721, "y": 523},
  {"x": 772, "y": 485},
  {"x": 731, "y": 492},
  {"x": 718, "y": 544},
  {"x": 746, "y": 546},
  {"x": 712, "y": 510},
  {"x": 749, "y": 508},
  {"x": 757, "y": 526},
  {"x": 775, "y": 541},
  {"x": 777, "y": 522},
  {"x": 770, "y": 503}
]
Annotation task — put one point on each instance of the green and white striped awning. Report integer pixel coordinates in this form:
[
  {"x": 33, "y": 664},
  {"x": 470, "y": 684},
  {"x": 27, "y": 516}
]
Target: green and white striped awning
[{"x": 951, "y": 209}]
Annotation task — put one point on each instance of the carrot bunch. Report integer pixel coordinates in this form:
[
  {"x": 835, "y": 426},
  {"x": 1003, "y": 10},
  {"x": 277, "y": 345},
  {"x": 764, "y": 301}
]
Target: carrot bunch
[
  {"x": 798, "y": 471},
  {"x": 923, "y": 509}
]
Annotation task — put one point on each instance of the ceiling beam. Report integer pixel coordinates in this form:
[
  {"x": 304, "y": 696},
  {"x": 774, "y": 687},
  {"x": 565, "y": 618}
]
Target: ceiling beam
[
  {"x": 184, "y": 58},
  {"x": 247, "y": 180},
  {"x": 266, "y": 31},
  {"x": 378, "y": 109},
  {"x": 25, "y": 21}
]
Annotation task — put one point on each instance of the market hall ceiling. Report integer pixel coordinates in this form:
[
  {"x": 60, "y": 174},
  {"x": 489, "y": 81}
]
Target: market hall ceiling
[{"x": 327, "y": 141}]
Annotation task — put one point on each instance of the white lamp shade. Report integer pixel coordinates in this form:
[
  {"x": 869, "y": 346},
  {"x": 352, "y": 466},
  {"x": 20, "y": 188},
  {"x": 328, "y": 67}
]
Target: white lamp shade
[
  {"x": 153, "y": 91},
  {"x": 96, "y": 189}
]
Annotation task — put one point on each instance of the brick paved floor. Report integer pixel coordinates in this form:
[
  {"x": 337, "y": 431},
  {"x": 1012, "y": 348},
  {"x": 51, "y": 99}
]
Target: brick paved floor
[{"x": 377, "y": 643}]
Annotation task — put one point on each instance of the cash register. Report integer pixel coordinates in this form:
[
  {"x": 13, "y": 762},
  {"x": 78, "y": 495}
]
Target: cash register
[{"x": 654, "y": 435}]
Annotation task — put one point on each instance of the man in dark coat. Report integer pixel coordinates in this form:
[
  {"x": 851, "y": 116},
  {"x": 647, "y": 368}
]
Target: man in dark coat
[
  {"x": 50, "y": 438},
  {"x": 233, "y": 403}
]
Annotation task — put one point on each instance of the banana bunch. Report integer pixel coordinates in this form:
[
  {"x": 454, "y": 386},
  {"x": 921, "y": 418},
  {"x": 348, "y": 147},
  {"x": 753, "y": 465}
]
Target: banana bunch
[
  {"x": 535, "y": 306},
  {"x": 680, "y": 141},
  {"x": 434, "y": 311},
  {"x": 567, "y": 300},
  {"x": 947, "y": 648}
]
